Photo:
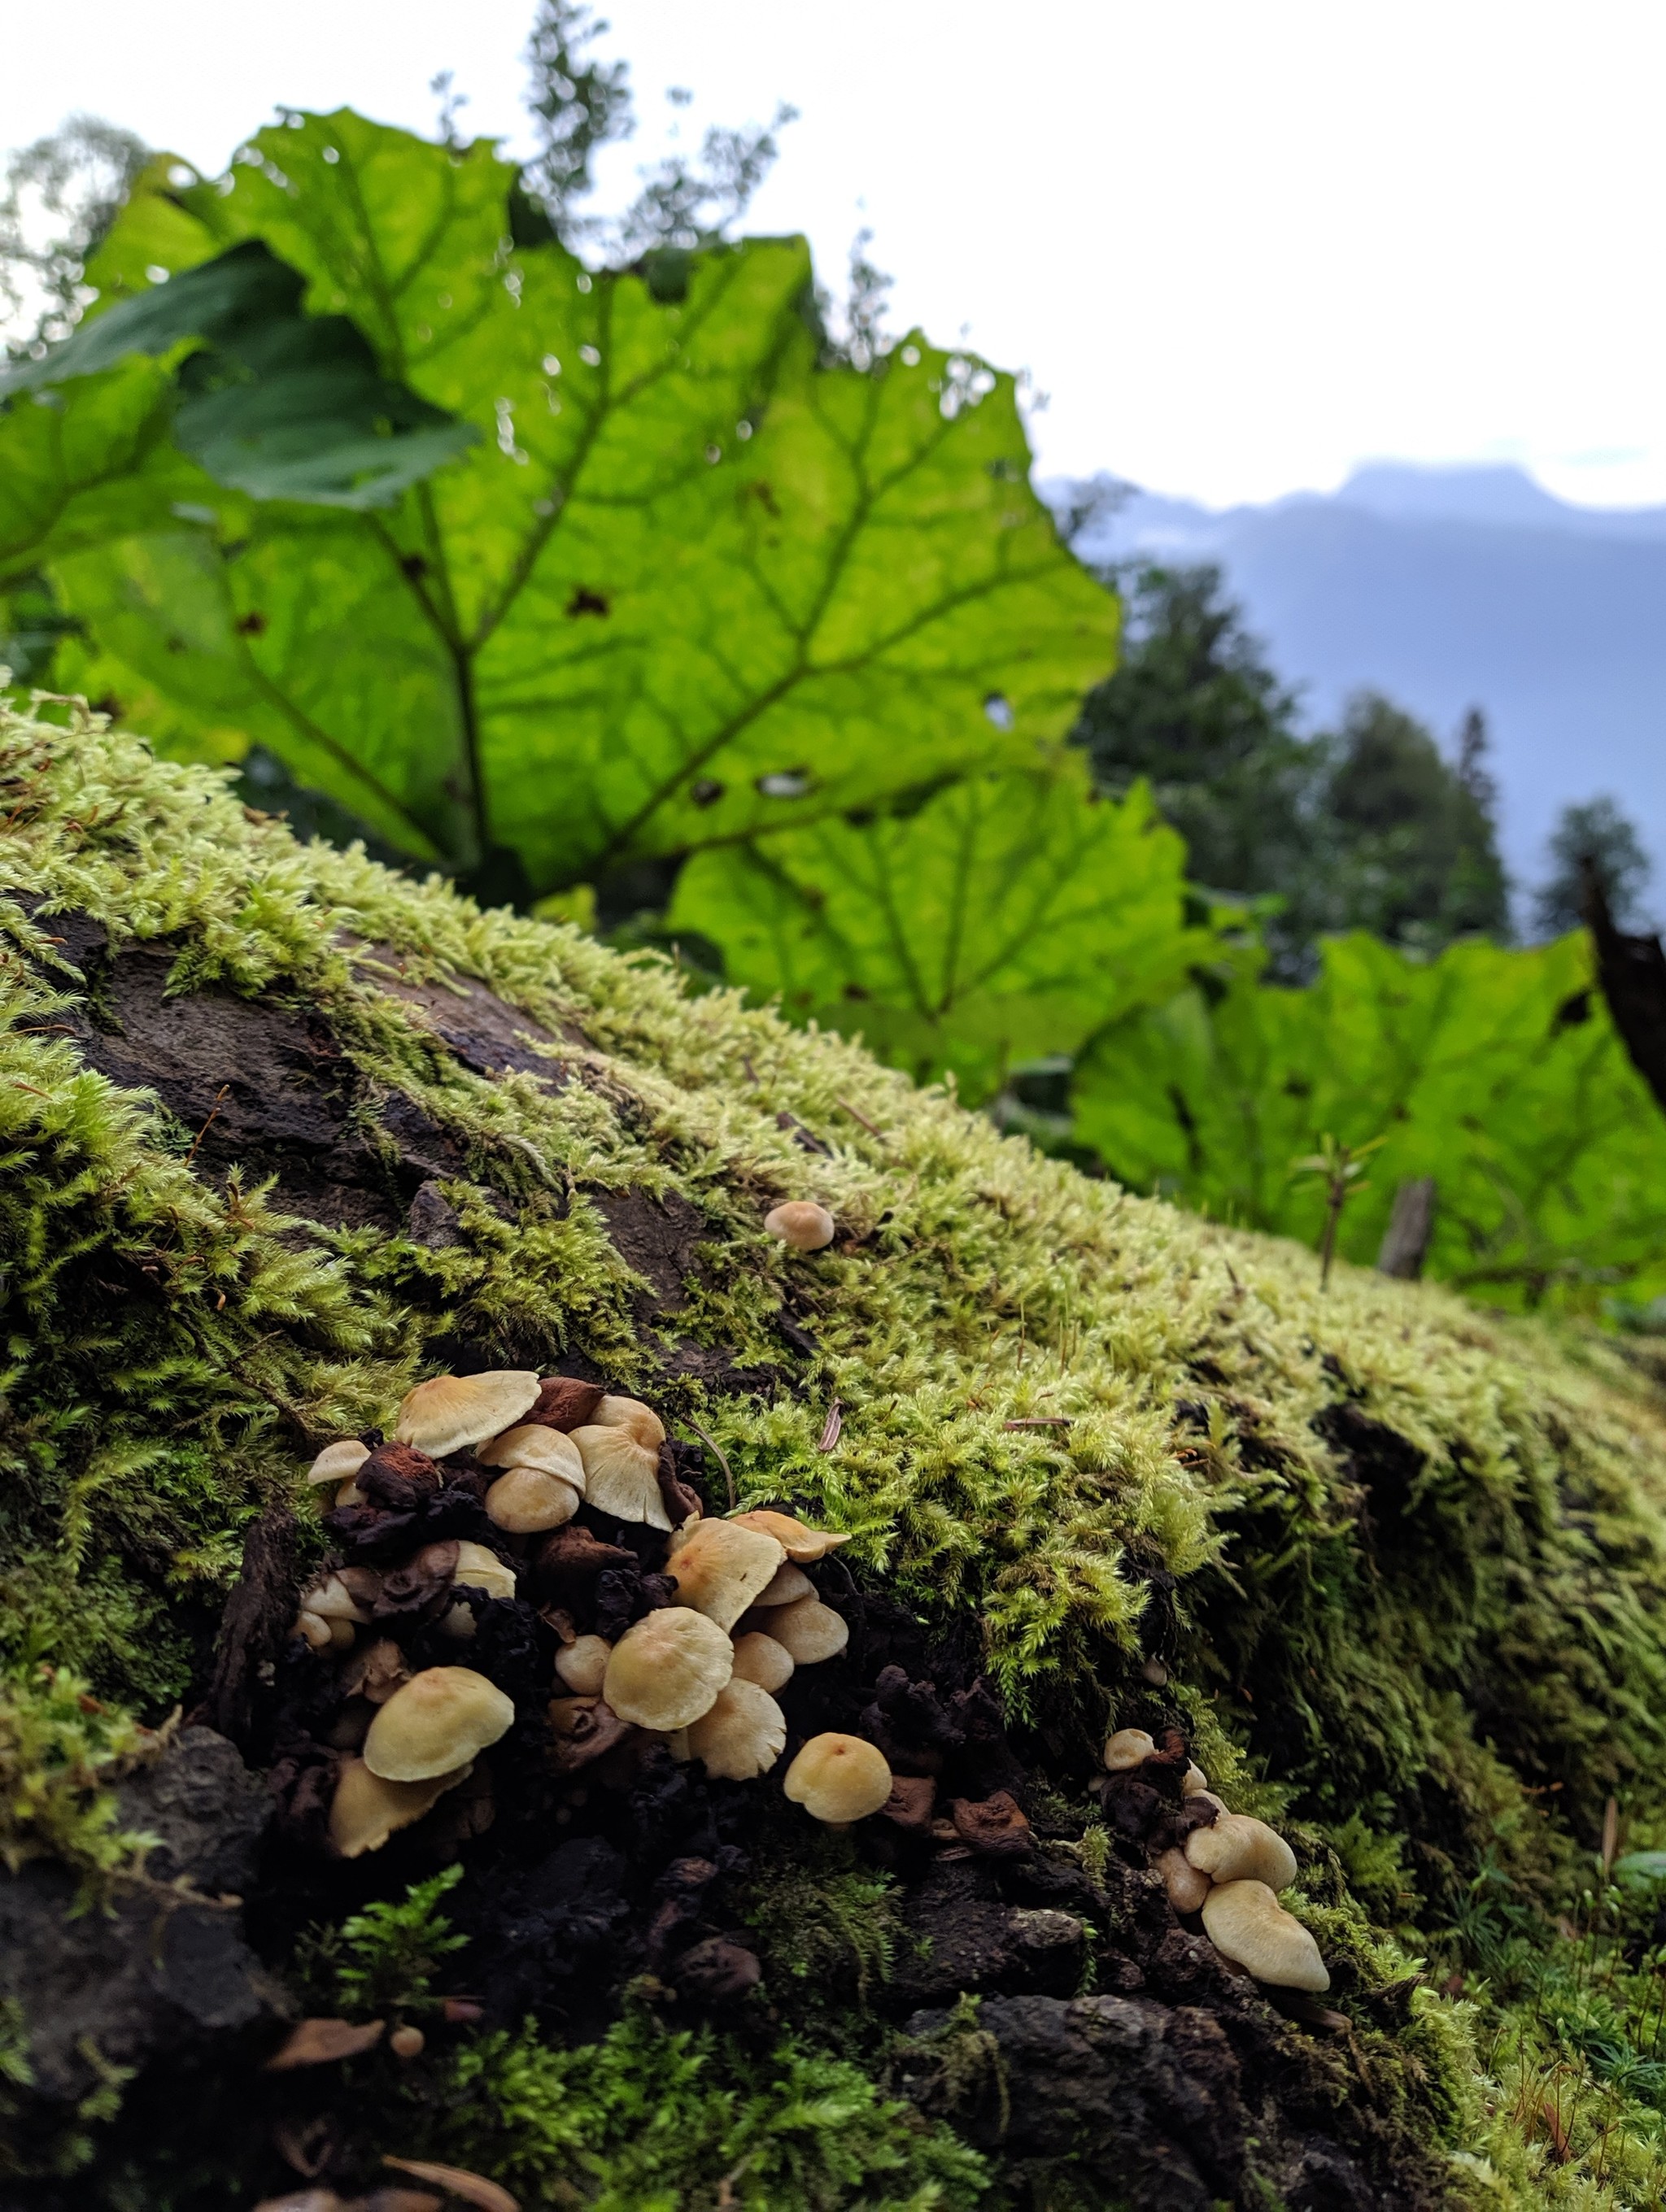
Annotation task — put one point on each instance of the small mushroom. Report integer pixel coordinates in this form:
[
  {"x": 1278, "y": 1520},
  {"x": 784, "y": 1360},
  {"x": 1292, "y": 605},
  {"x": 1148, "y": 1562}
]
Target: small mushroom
[
  {"x": 338, "y": 1462},
  {"x": 1128, "y": 1747},
  {"x": 742, "y": 1735},
  {"x": 799, "y": 1543},
  {"x": 407, "y": 2042},
  {"x": 366, "y": 1808},
  {"x": 758, "y": 1658},
  {"x": 315, "y": 1628},
  {"x": 451, "y": 1411},
  {"x": 1247, "y": 1924},
  {"x": 802, "y": 1223},
  {"x": 583, "y": 1665},
  {"x": 333, "y": 1600},
  {"x": 807, "y": 1630},
  {"x": 621, "y": 1476},
  {"x": 1194, "y": 1782},
  {"x": 531, "y": 1444},
  {"x": 565, "y": 1403},
  {"x": 636, "y": 1419},
  {"x": 436, "y": 1723},
  {"x": 720, "y": 1569},
  {"x": 524, "y": 1501},
  {"x": 667, "y": 1668},
  {"x": 482, "y": 1569},
  {"x": 838, "y": 1778},
  {"x": 1239, "y": 1848},
  {"x": 377, "y": 1672},
  {"x": 787, "y": 1583},
  {"x": 1187, "y": 1885}
]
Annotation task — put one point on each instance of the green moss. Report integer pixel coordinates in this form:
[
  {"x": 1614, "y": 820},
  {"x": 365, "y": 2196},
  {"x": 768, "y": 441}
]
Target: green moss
[
  {"x": 1430, "y": 1651},
  {"x": 59, "y": 1750},
  {"x": 650, "y": 2121}
]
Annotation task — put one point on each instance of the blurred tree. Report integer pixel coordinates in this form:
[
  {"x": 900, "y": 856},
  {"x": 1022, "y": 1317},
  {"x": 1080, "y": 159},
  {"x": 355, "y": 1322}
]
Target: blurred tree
[
  {"x": 1599, "y": 832},
  {"x": 1370, "y": 827},
  {"x": 58, "y": 198}
]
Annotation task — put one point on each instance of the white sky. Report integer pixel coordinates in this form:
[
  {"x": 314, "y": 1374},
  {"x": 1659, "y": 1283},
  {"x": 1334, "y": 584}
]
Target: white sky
[{"x": 1242, "y": 243}]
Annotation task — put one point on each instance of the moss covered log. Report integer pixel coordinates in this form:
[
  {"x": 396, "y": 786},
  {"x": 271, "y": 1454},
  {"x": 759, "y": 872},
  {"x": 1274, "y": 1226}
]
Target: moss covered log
[{"x": 283, "y": 1132}]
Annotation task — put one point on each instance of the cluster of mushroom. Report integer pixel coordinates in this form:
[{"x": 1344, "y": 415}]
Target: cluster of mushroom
[
  {"x": 732, "y": 1617},
  {"x": 1230, "y": 1868}
]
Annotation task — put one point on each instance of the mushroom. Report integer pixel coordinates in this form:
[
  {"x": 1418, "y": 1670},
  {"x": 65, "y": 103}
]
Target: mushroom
[
  {"x": 333, "y": 1600},
  {"x": 565, "y": 1403},
  {"x": 787, "y": 1583},
  {"x": 377, "y": 1672},
  {"x": 1127, "y": 1748},
  {"x": 1194, "y": 1782},
  {"x": 338, "y": 1462},
  {"x": 1239, "y": 1848},
  {"x": 367, "y": 1808},
  {"x": 407, "y": 2042},
  {"x": 636, "y": 1419},
  {"x": 435, "y": 1723},
  {"x": 524, "y": 1501},
  {"x": 482, "y": 1569},
  {"x": 742, "y": 1735},
  {"x": 450, "y": 1412},
  {"x": 1187, "y": 1885},
  {"x": 801, "y": 1544},
  {"x": 315, "y": 1628},
  {"x": 621, "y": 1476},
  {"x": 531, "y": 1444},
  {"x": 583, "y": 1664},
  {"x": 802, "y": 1223},
  {"x": 585, "y": 1729},
  {"x": 758, "y": 1658},
  {"x": 720, "y": 1569},
  {"x": 807, "y": 1630},
  {"x": 1247, "y": 1924},
  {"x": 838, "y": 1779},
  {"x": 667, "y": 1668}
]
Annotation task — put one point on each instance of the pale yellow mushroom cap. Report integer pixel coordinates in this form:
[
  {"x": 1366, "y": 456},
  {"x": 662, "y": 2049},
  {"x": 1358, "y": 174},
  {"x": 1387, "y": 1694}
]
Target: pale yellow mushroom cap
[
  {"x": 582, "y": 1665},
  {"x": 758, "y": 1658},
  {"x": 799, "y": 1543},
  {"x": 451, "y": 1411},
  {"x": 482, "y": 1569},
  {"x": 808, "y": 1631},
  {"x": 1187, "y": 1885},
  {"x": 1128, "y": 1747},
  {"x": 667, "y": 1668},
  {"x": 787, "y": 1583},
  {"x": 721, "y": 1568},
  {"x": 743, "y": 1734},
  {"x": 1239, "y": 1848},
  {"x": 1195, "y": 1784},
  {"x": 802, "y": 1223},
  {"x": 366, "y": 1808},
  {"x": 338, "y": 1462},
  {"x": 636, "y": 1419},
  {"x": 436, "y": 1723},
  {"x": 1247, "y": 1924},
  {"x": 523, "y": 1500},
  {"x": 838, "y": 1778},
  {"x": 331, "y": 1599},
  {"x": 531, "y": 1444},
  {"x": 621, "y": 1476}
]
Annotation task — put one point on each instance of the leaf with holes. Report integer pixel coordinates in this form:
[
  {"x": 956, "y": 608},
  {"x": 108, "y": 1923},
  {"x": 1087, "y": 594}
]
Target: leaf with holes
[
  {"x": 691, "y": 585},
  {"x": 1009, "y": 916}
]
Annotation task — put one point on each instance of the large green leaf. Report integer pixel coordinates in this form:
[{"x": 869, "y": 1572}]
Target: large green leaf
[
  {"x": 1496, "y": 1072},
  {"x": 690, "y": 586},
  {"x": 1009, "y": 917}
]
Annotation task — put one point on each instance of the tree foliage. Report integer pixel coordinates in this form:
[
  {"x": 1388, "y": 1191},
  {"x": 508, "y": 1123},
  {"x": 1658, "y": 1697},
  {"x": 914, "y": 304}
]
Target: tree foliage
[
  {"x": 1601, "y": 833},
  {"x": 689, "y": 583}
]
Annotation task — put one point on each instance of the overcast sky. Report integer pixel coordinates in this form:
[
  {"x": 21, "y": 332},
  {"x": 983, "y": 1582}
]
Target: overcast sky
[{"x": 1242, "y": 244}]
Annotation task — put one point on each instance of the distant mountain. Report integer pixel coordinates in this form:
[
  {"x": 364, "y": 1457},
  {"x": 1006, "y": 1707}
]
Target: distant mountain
[{"x": 1448, "y": 588}]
